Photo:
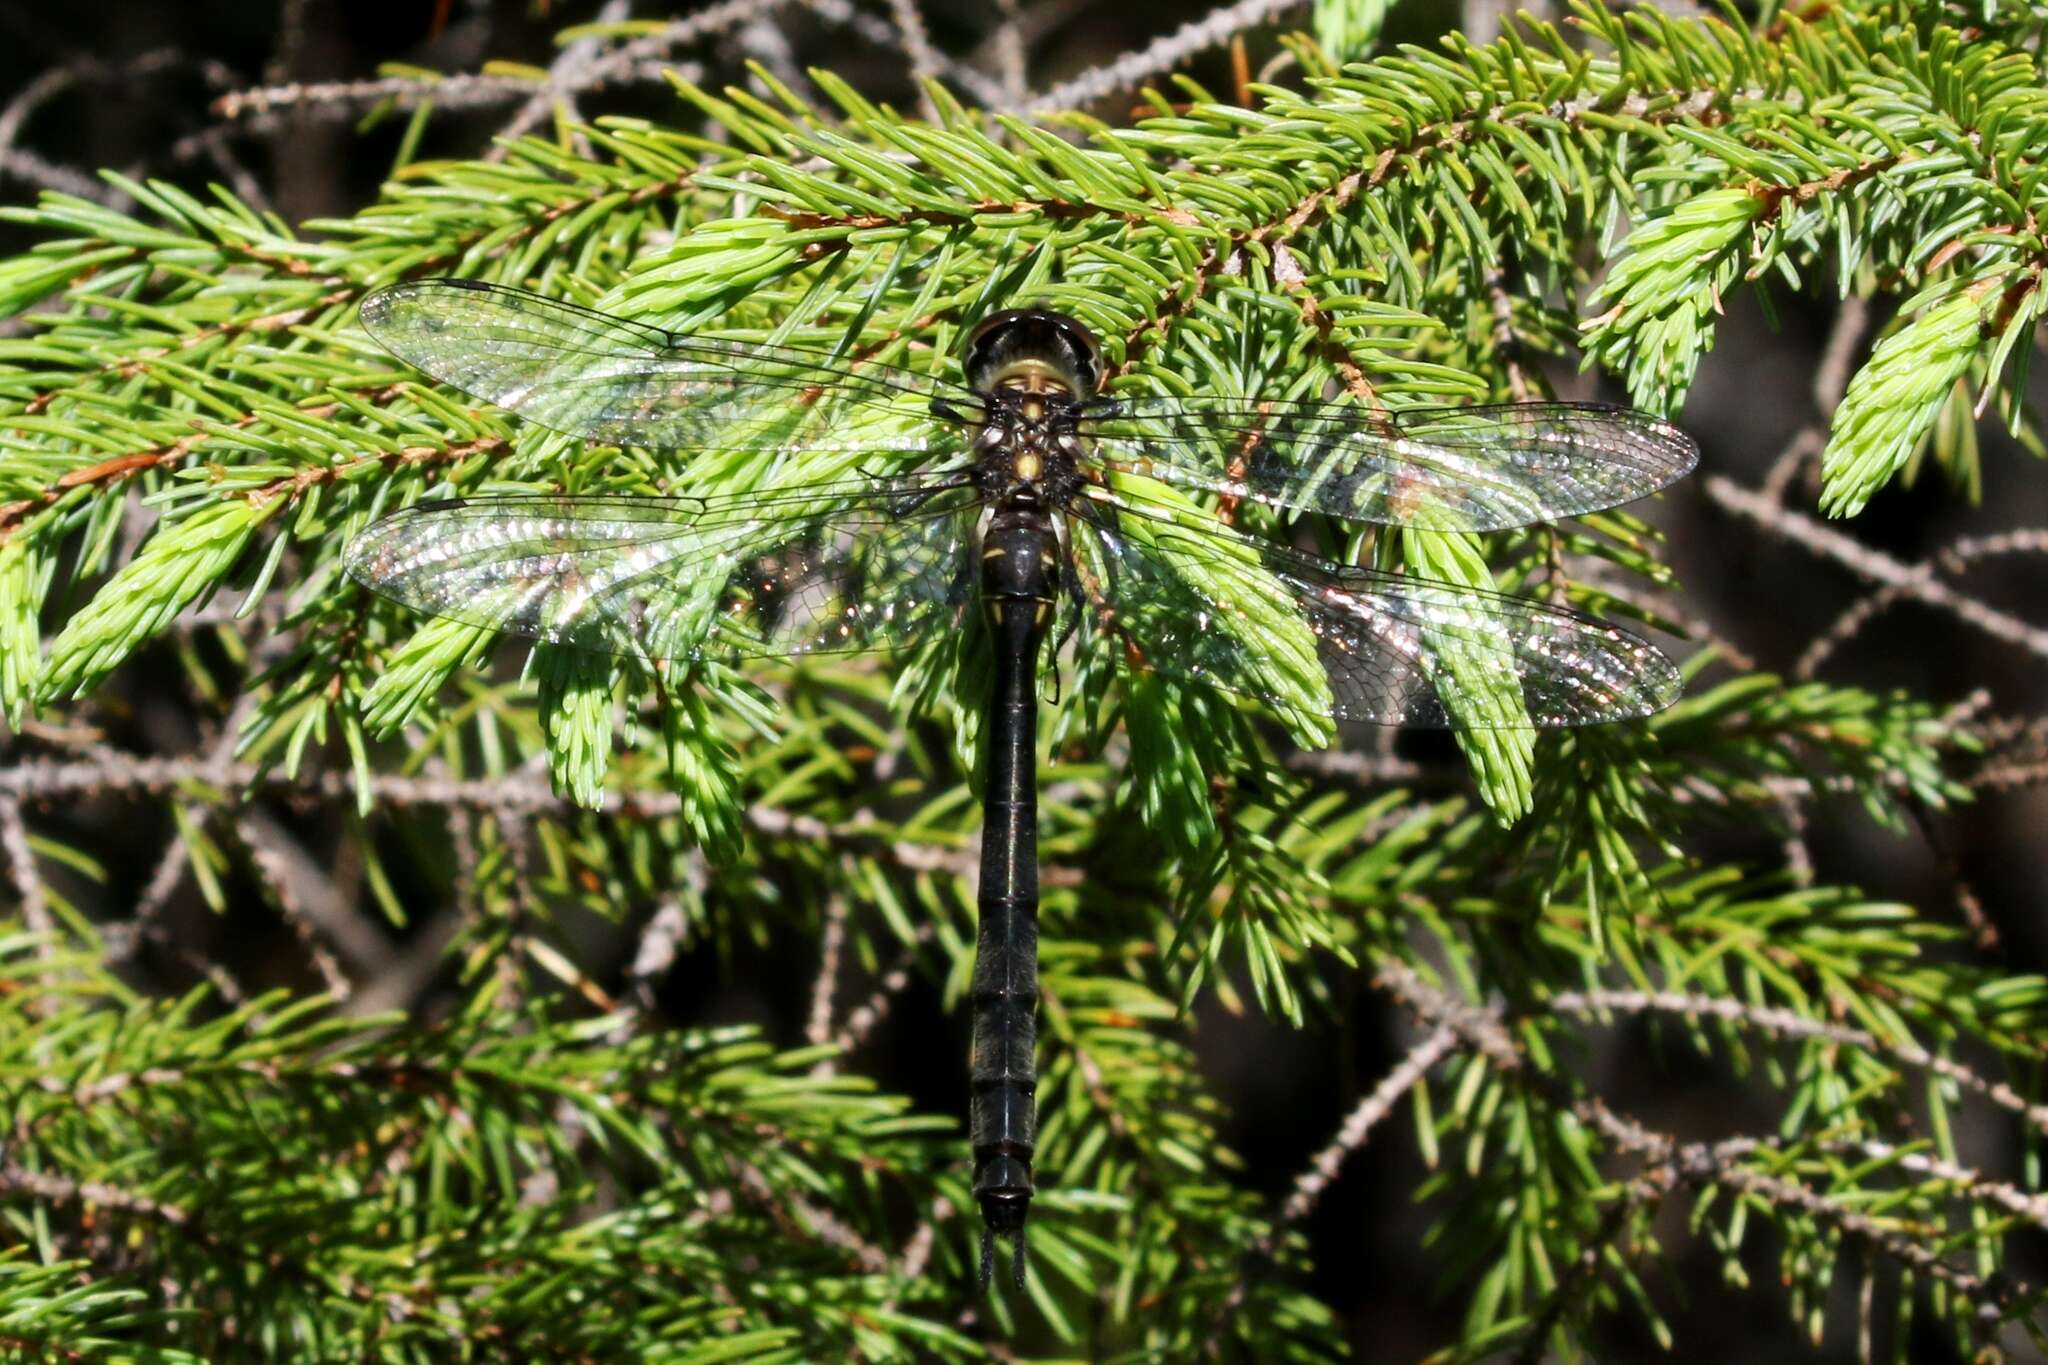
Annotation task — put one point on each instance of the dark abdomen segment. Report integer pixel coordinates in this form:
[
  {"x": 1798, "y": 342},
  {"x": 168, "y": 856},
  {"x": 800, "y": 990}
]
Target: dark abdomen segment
[{"x": 1019, "y": 580}]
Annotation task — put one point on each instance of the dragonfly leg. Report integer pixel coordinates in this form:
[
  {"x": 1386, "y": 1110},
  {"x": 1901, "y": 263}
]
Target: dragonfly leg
[{"x": 911, "y": 499}]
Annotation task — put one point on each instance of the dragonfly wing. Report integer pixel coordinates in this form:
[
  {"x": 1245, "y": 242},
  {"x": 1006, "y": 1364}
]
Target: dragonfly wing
[
  {"x": 579, "y": 371},
  {"x": 808, "y": 571},
  {"x": 1221, "y": 609},
  {"x": 1442, "y": 469}
]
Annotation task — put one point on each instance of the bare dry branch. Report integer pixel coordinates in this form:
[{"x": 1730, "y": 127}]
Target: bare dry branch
[
  {"x": 1133, "y": 69},
  {"x": 1915, "y": 581}
]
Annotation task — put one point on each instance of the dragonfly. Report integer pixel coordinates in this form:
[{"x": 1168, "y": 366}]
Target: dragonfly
[{"x": 1028, "y": 502}]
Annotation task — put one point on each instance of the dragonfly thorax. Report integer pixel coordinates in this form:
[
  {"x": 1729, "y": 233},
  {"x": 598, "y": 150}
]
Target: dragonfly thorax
[{"x": 1029, "y": 449}]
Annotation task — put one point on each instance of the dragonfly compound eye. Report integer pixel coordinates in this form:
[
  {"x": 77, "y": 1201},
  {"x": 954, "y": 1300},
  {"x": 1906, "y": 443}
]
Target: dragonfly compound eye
[{"x": 1007, "y": 344}]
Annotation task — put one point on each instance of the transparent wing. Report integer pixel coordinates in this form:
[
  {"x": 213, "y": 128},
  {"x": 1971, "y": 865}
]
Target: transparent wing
[
  {"x": 814, "y": 570},
  {"x": 1445, "y": 469},
  {"x": 586, "y": 373},
  {"x": 1267, "y": 622}
]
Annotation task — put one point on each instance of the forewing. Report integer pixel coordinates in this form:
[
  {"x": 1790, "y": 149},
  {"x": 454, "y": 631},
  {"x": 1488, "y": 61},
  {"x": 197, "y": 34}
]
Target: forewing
[
  {"x": 1439, "y": 469},
  {"x": 579, "y": 371},
  {"x": 1226, "y": 611},
  {"x": 810, "y": 571}
]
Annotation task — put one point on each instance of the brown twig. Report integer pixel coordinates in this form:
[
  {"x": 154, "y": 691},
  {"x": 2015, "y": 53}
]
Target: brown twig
[
  {"x": 1917, "y": 582},
  {"x": 1784, "y": 1023},
  {"x": 1322, "y": 1168},
  {"x": 21, "y": 867}
]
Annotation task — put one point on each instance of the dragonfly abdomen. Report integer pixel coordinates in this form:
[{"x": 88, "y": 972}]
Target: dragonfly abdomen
[{"x": 1019, "y": 583}]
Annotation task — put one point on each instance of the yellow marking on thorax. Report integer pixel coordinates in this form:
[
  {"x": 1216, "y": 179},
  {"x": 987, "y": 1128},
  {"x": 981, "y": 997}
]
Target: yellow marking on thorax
[
  {"x": 1029, "y": 466},
  {"x": 1033, "y": 376}
]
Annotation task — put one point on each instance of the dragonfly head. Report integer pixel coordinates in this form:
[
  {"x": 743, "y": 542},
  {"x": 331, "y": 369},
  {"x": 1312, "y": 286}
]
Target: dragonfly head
[{"x": 1034, "y": 350}]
